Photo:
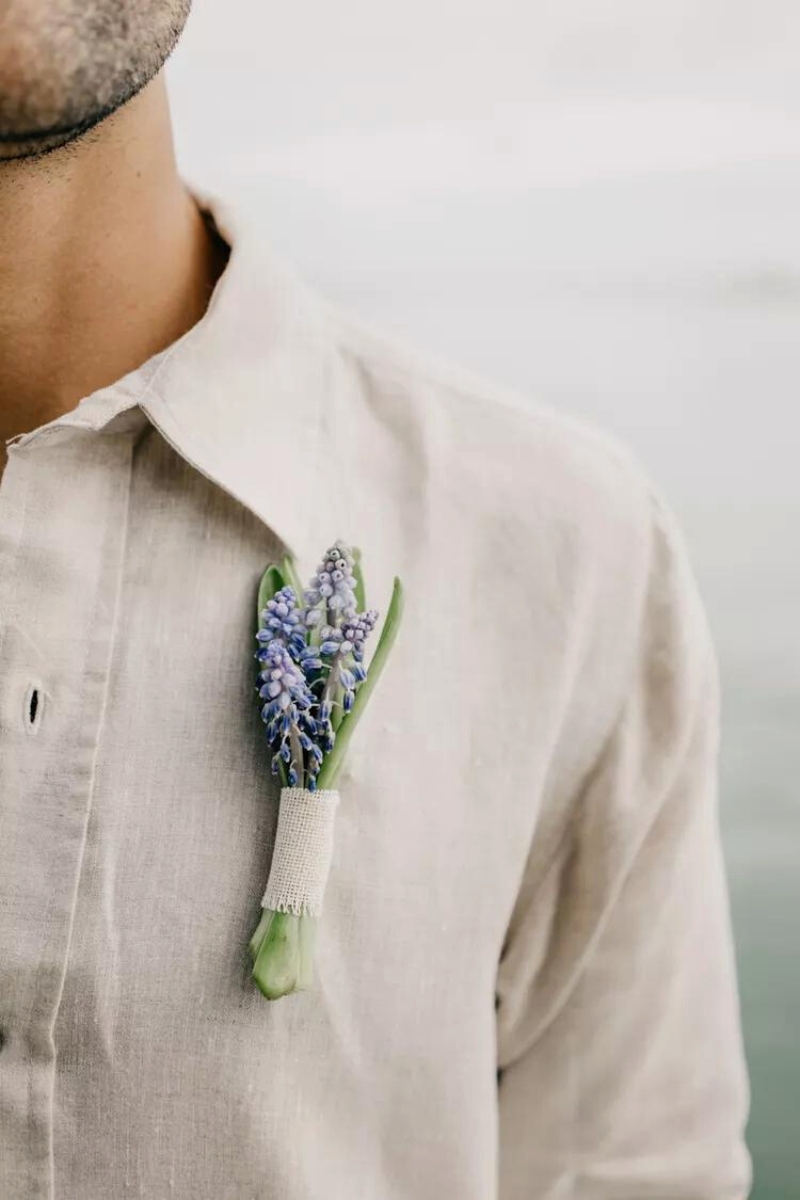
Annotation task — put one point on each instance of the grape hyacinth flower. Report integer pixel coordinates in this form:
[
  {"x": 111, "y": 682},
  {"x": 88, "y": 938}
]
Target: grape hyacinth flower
[
  {"x": 287, "y": 710},
  {"x": 313, "y": 684},
  {"x": 333, "y": 585},
  {"x": 342, "y": 650},
  {"x": 282, "y": 619}
]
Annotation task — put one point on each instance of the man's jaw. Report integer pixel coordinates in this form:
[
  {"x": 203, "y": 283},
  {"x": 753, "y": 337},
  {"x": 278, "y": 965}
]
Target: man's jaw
[{"x": 36, "y": 143}]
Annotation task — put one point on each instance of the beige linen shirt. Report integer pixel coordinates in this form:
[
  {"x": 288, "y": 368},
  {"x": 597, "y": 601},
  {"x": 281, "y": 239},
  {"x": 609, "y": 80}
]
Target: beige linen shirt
[{"x": 525, "y": 985}]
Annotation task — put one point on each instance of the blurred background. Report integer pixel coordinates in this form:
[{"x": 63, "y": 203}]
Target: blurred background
[{"x": 598, "y": 204}]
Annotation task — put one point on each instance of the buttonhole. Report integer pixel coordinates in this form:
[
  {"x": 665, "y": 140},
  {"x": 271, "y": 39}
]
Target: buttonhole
[{"x": 34, "y": 704}]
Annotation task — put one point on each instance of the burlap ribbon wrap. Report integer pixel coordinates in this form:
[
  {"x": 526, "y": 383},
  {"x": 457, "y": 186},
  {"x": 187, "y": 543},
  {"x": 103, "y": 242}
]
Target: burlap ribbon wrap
[{"x": 301, "y": 860}]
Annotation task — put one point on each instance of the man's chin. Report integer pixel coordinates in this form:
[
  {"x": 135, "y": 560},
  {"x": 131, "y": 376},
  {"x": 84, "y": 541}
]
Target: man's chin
[
  {"x": 32, "y": 143},
  {"x": 13, "y": 150}
]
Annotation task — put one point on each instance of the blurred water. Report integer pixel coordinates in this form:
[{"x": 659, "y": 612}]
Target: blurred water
[{"x": 661, "y": 302}]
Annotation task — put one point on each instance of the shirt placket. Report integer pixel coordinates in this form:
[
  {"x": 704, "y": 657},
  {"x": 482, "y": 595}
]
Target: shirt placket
[{"x": 63, "y": 514}]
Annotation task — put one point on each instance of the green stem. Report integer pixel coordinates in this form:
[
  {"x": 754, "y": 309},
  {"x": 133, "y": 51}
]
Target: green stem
[
  {"x": 297, "y": 756},
  {"x": 257, "y": 938},
  {"x": 337, "y": 712},
  {"x": 277, "y": 963},
  {"x": 282, "y": 949}
]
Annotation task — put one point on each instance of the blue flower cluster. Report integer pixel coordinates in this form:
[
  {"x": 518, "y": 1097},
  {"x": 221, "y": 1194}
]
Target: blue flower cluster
[
  {"x": 312, "y": 660},
  {"x": 287, "y": 711}
]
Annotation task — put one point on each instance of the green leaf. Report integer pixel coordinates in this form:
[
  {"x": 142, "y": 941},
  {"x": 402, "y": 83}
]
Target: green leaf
[
  {"x": 391, "y": 626},
  {"x": 289, "y": 571},
  {"x": 271, "y": 582}
]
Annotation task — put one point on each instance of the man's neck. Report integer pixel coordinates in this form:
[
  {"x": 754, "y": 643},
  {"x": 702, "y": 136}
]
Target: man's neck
[{"x": 104, "y": 261}]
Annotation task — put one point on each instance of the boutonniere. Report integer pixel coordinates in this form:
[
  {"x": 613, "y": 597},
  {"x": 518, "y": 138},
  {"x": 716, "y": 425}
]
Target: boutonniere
[{"x": 313, "y": 684}]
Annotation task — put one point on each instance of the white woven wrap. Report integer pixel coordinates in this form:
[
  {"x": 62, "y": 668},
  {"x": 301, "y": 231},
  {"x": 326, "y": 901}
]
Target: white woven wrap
[{"x": 303, "y": 851}]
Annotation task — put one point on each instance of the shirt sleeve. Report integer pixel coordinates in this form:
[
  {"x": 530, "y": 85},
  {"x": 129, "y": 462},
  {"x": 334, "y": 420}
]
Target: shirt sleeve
[{"x": 621, "y": 1072}]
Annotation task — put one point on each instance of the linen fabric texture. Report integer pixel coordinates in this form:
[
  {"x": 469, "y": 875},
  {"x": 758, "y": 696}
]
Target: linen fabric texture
[
  {"x": 525, "y": 984},
  {"x": 301, "y": 860}
]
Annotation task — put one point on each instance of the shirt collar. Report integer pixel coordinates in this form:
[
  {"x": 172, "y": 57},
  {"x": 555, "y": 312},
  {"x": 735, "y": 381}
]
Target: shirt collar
[{"x": 241, "y": 395}]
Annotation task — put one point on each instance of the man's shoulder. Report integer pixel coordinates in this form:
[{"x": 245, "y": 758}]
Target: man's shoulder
[{"x": 501, "y": 450}]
